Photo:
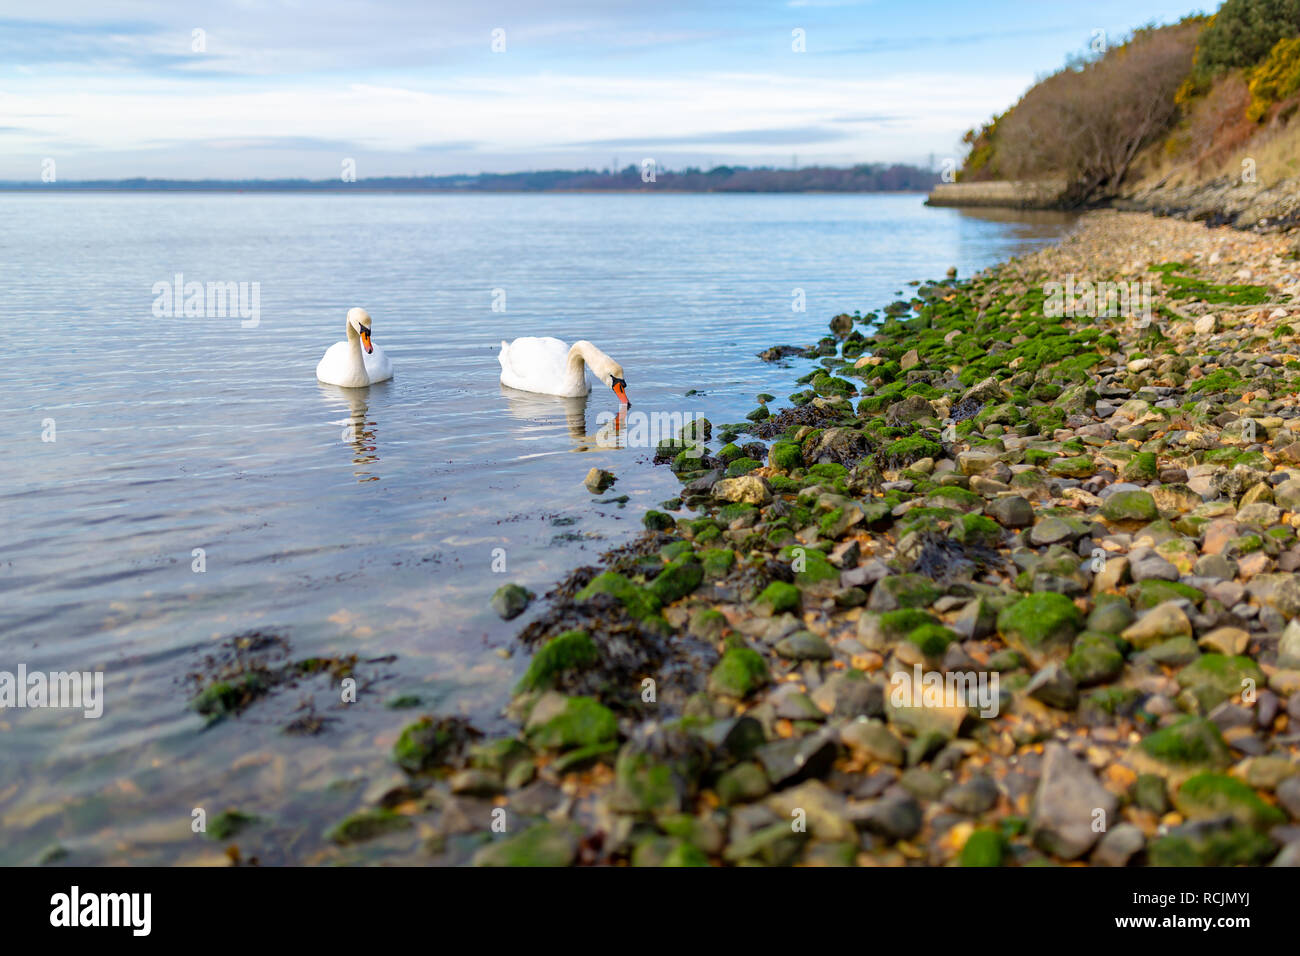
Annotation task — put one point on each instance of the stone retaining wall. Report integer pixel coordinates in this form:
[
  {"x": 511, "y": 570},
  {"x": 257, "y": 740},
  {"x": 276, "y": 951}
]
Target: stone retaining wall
[{"x": 1045, "y": 194}]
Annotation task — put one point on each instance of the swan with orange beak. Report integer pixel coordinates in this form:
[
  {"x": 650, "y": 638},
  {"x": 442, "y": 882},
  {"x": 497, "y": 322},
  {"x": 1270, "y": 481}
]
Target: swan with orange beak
[
  {"x": 345, "y": 365},
  {"x": 550, "y": 367}
]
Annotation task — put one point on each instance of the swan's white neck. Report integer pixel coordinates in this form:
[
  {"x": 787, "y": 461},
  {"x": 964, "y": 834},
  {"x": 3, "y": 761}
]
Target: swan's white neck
[
  {"x": 356, "y": 364},
  {"x": 581, "y": 355}
]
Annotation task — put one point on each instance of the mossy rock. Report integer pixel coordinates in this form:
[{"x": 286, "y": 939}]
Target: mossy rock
[
  {"x": 785, "y": 456},
  {"x": 1040, "y": 622},
  {"x": 695, "y": 431},
  {"x": 545, "y": 844},
  {"x": 824, "y": 384},
  {"x": 510, "y": 600},
  {"x": 222, "y": 698},
  {"x": 1147, "y": 594},
  {"x": 735, "y": 510},
  {"x": 903, "y": 452},
  {"x": 780, "y": 597},
  {"x": 982, "y": 848},
  {"x": 828, "y": 471},
  {"x": 669, "y": 852},
  {"x": 1149, "y": 793},
  {"x": 1210, "y": 795},
  {"x": 953, "y": 497},
  {"x": 707, "y": 623},
  {"x": 429, "y": 743},
  {"x": 742, "y": 466},
  {"x": 739, "y": 673},
  {"x": 898, "y": 624},
  {"x": 678, "y": 579},
  {"x": 229, "y": 822},
  {"x": 1130, "y": 506},
  {"x": 675, "y": 550},
  {"x": 1079, "y": 466},
  {"x": 1221, "y": 842},
  {"x": 584, "y": 722},
  {"x": 570, "y": 651},
  {"x": 717, "y": 562},
  {"x": 500, "y": 755},
  {"x": 645, "y": 785},
  {"x": 743, "y": 783},
  {"x": 810, "y": 566},
  {"x": 1108, "y": 703},
  {"x": 1188, "y": 742},
  {"x": 1141, "y": 467},
  {"x": 1095, "y": 659},
  {"x": 1214, "y": 678},
  {"x": 658, "y": 521},
  {"x": 932, "y": 639},
  {"x": 904, "y": 590},
  {"x": 366, "y": 825},
  {"x": 977, "y": 529},
  {"x": 639, "y": 602}
]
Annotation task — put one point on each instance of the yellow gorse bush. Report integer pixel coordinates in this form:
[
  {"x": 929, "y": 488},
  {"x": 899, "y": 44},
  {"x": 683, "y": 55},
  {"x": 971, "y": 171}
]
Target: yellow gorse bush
[{"x": 1277, "y": 78}]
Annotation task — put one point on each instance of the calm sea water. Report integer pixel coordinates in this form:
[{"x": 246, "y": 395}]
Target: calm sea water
[{"x": 200, "y": 483}]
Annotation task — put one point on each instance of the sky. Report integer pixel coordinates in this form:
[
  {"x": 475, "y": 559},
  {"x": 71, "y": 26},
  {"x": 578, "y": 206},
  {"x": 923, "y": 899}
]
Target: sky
[{"x": 265, "y": 89}]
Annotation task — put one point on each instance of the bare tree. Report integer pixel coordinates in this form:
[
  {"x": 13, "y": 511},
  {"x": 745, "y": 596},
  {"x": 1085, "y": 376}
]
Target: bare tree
[{"x": 1088, "y": 122}]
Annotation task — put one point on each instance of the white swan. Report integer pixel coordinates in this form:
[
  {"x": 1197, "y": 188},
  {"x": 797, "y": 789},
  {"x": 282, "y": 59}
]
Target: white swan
[
  {"x": 548, "y": 366},
  {"x": 343, "y": 363}
]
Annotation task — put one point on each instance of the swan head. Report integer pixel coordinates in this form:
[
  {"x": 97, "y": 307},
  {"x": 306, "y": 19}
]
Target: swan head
[
  {"x": 359, "y": 322},
  {"x": 618, "y": 385},
  {"x": 604, "y": 368}
]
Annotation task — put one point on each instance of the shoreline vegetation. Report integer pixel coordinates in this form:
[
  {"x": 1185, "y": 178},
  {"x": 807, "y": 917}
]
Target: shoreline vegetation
[
  {"x": 1193, "y": 119},
  {"x": 864, "y": 177},
  {"x": 1073, "y": 539}
]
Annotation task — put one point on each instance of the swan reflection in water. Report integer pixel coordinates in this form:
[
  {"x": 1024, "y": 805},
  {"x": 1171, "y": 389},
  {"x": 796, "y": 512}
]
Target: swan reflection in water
[
  {"x": 356, "y": 431},
  {"x": 540, "y": 410}
]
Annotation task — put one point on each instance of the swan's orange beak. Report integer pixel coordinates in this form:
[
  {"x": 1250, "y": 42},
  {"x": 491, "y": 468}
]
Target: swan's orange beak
[
  {"x": 620, "y": 391},
  {"x": 365, "y": 339}
]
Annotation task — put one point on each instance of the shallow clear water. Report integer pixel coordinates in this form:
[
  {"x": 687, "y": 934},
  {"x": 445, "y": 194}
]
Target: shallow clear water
[{"x": 354, "y": 522}]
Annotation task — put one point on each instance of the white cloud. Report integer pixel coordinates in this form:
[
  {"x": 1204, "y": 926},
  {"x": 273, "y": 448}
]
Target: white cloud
[{"x": 534, "y": 116}]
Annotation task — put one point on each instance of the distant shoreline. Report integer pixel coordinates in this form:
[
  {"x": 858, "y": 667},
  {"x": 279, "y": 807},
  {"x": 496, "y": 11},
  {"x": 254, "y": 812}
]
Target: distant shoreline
[
  {"x": 864, "y": 178},
  {"x": 74, "y": 190}
]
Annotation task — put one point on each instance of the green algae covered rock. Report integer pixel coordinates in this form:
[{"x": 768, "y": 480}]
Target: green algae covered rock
[
  {"x": 545, "y": 844},
  {"x": 780, "y": 597},
  {"x": 678, "y": 579},
  {"x": 1095, "y": 659},
  {"x": 1130, "y": 506},
  {"x": 366, "y": 825},
  {"x": 428, "y": 743},
  {"x": 1040, "y": 622},
  {"x": 640, "y": 602},
  {"x": 932, "y": 639},
  {"x": 658, "y": 521},
  {"x": 903, "y": 590},
  {"x": 1211, "y": 795},
  {"x": 572, "y": 650},
  {"x": 577, "y": 722},
  {"x": 1188, "y": 742},
  {"x": 785, "y": 456},
  {"x": 716, "y": 562},
  {"x": 739, "y": 673},
  {"x": 982, "y": 848},
  {"x": 1222, "y": 842},
  {"x": 1213, "y": 678}
]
